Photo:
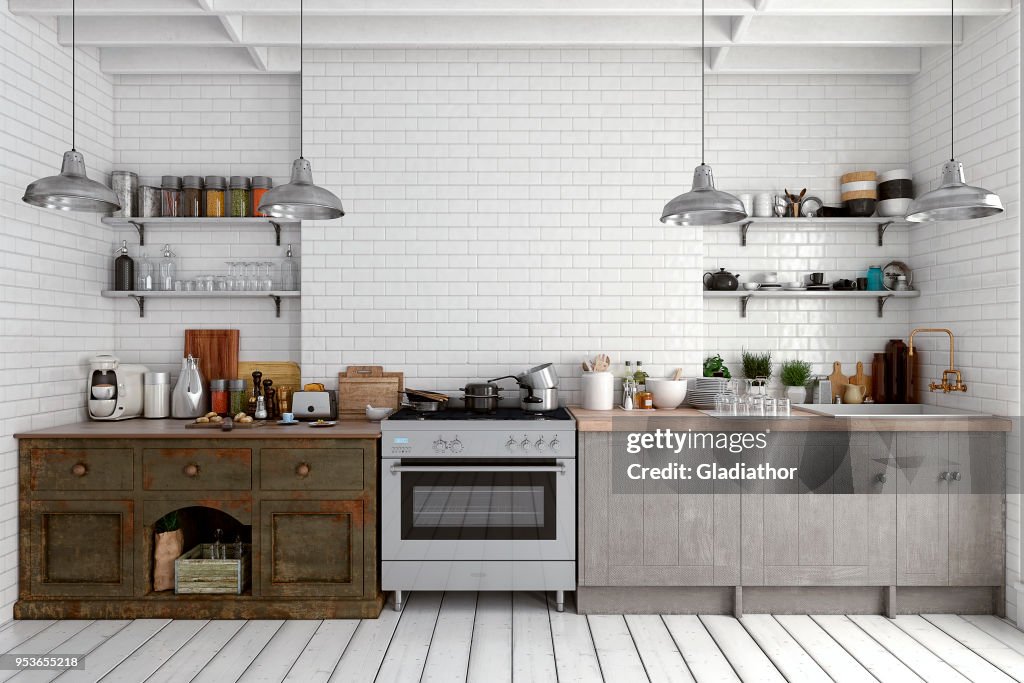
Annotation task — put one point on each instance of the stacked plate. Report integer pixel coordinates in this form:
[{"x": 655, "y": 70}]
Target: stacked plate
[
  {"x": 703, "y": 391},
  {"x": 895, "y": 192},
  {"x": 859, "y": 192}
]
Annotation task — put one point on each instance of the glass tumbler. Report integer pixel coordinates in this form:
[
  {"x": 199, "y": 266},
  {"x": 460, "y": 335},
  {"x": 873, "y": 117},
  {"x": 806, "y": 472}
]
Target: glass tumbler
[
  {"x": 769, "y": 407},
  {"x": 782, "y": 407}
]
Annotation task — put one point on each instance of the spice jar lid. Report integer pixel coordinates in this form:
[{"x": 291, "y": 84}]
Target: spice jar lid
[
  {"x": 262, "y": 182},
  {"x": 151, "y": 378},
  {"x": 215, "y": 182},
  {"x": 192, "y": 181},
  {"x": 218, "y": 385},
  {"x": 236, "y": 385},
  {"x": 170, "y": 182},
  {"x": 127, "y": 174},
  {"x": 239, "y": 182}
]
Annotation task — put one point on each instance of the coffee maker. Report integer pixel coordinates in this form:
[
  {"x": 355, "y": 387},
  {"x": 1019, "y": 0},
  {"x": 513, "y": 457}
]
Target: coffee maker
[{"x": 114, "y": 391}]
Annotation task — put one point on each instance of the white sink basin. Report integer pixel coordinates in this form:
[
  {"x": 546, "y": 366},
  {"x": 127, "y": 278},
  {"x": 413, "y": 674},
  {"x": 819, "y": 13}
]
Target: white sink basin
[{"x": 915, "y": 410}]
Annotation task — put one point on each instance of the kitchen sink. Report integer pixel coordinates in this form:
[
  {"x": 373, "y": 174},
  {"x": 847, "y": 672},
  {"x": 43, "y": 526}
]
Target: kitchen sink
[{"x": 882, "y": 410}]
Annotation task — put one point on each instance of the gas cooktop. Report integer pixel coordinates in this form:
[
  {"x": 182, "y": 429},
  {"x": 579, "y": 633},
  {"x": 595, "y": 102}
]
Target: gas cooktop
[{"x": 501, "y": 414}]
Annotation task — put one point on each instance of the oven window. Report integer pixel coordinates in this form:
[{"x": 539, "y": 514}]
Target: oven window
[{"x": 478, "y": 505}]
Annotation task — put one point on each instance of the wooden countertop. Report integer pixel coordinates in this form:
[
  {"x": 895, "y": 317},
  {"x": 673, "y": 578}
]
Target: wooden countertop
[
  {"x": 175, "y": 429},
  {"x": 619, "y": 420}
]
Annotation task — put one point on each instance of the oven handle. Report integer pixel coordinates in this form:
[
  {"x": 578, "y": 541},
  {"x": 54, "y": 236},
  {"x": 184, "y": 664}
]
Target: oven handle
[{"x": 395, "y": 468}]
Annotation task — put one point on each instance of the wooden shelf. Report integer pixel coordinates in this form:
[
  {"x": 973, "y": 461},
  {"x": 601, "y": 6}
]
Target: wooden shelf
[
  {"x": 140, "y": 297},
  {"x": 879, "y": 223},
  {"x": 745, "y": 296},
  {"x": 140, "y": 223}
]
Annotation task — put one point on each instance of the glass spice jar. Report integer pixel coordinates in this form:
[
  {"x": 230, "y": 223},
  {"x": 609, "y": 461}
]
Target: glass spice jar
[
  {"x": 219, "y": 402},
  {"x": 214, "y": 196},
  {"x": 192, "y": 196},
  {"x": 260, "y": 185},
  {"x": 240, "y": 197},
  {"x": 170, "y": 196},
  {"x": 238, "y": 397}
]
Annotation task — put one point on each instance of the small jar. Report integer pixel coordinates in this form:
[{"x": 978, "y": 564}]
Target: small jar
[
  {"x": 240, "y": 197},
  {"x": 170, "y": 196},
  {"x": 219, "y": 402},
  {"x": 644, "y": 400},
  {"x": 260, "y": 185},
  {"x": 149, "y": 201},
  {"x": 192, "y": 196},
  {"x": 214, "y": 196},
  {"x": 239, "y": 398}
]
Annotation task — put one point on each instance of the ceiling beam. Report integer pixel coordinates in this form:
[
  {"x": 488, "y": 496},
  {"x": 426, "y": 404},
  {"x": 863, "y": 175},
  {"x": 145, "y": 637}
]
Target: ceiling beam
[
  {"x": 820, "y": 60},
  {"x": 196, "y": 60}
]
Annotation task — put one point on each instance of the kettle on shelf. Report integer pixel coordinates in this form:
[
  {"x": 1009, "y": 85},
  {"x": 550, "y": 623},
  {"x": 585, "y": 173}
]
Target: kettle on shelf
[{"x": 723, "y": 280}]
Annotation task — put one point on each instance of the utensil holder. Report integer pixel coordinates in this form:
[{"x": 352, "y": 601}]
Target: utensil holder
[{"x": 598, "y": 390}]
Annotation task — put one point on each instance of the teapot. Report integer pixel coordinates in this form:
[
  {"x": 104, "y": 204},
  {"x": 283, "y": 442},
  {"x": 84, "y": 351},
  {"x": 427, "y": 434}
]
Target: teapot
[{"x": 723, "y": 280}]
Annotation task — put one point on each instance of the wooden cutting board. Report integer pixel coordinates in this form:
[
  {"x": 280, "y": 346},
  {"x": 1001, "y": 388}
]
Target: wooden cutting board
[
  {"x": 362, "y": 385},
  {"x": 838, "y": 380},
  {"x": 217, "y": 351},
  {"x": 237, "y": 425},
  {"x": 862, "y": 379},
  {"x": 286, "y": 374}
]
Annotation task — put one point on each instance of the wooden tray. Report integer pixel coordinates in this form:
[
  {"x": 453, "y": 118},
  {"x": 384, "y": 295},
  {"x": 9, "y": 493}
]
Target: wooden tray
[
  {"x": 362, "y": 385},
  {"x": 284, "y": 373},
  {"x": 217, "y": 425}
]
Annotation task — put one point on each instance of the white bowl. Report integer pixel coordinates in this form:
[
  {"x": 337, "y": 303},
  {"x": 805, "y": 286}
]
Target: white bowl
[
  {"x": 103, "y": 392},
  {"x": 894, "y": 174},
  {"x": 668, "y": 393},
  {"x": 751, "y": 286},
  {"x": 794, "y": 284},
  {"x": 894, "y": 207},
  {"x": 377, "y": 414}
]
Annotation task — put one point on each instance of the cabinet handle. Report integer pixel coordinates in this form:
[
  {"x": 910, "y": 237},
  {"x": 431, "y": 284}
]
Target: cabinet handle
[
  {"x": 881, "y": 478},
  {"x": 955, "y": 476},
  {"x": 191, "y": 470},
  {"x": 945, "y": 476},
  {"x": 302, "y": 469},
  {"x": 79, "y": 469}
]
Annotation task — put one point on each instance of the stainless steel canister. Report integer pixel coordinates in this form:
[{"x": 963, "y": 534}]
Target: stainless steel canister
[
  {"x": 149, "y": 201},
  {"x": 125, "y": 185},
  {"x": 157, "y": 394}
]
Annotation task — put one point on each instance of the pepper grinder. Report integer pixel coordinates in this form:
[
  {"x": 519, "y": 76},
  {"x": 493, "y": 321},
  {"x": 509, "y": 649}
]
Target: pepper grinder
[
  {"x": 268, "y": 395},
  {"x": 256, "y": 377}
]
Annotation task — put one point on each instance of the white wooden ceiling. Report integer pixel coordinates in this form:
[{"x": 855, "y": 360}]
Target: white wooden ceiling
[{"x": 743, "y": 36}]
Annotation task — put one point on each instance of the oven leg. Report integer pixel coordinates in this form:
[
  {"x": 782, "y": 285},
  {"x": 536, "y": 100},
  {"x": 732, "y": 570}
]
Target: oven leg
[
  {"x": 398, "y": 601},
  {"x": 559, "y": 601}
]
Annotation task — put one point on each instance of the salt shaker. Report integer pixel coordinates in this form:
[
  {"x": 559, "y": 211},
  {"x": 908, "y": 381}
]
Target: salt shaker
[{"x": 261, "y": 408}]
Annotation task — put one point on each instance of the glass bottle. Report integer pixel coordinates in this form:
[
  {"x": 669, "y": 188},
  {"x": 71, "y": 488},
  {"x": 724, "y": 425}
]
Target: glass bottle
[
  {"x": 192, "y": 196},
  {"x": 168, "y": 269},
  {"x": 238, "y": 397},
  {"x": 640, "y": 376},
  {"x": 170, "y": 196},
  {"x": 124, "y": 269},
  {"x": 214, "y": 196},
  {"x": 240, "y": 204},
  {"x": 260, "y": 185},
  {"x": 289, "y": 272},
  {"x": 217, "y": 548},
  {"x": 144, "y": 274}
]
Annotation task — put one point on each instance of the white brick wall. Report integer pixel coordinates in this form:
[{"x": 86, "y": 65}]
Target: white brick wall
[
  {"x": 52, "y": 319},
  {"x": 969, "y": 272}
]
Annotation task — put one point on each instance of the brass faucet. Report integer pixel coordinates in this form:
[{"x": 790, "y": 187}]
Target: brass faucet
[{"x": 945, "y": 386}]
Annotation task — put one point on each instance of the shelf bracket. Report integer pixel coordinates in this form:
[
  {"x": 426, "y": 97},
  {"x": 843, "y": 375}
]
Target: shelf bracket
[
  {"x": 277, "y": 231},
  {"x": 744, "y": 227},
  {"x": 743, "y": 305},
  {"x": 882, "y": 227},
  {"x": 277, "y": 304},
  {"x": 881, "y": 304},
  {"x": 141, "y": 301},
  {"x": 141, "y": 228}
]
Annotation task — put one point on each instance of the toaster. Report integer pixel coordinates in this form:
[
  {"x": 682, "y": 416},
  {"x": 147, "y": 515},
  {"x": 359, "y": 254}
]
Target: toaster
[{"x": 315, "y": 405}]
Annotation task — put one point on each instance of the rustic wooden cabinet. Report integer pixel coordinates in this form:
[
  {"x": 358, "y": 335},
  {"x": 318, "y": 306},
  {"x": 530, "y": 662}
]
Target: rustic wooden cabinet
[{"x": 88, "y": 509}]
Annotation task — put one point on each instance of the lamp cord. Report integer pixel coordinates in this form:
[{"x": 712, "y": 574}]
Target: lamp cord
[
  {"x": 701, "y": 82},
  {"x": 74, "y": 81},
  {"x": 302, "y": 42},
  {"x": 952, "y": 77}
]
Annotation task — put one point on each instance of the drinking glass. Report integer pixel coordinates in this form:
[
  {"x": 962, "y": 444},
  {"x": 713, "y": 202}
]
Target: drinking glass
[
  {"x": 232, "y": 274},
  {"x": 769, "y": 407},
  {"x": 267, "y": 276},
  {"x": 220, "y": 283},
  {"x": 252, "y": 278},
  {"x": 782, "y": 407}
]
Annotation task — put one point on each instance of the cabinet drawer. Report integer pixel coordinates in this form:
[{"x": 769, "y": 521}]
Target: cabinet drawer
[
  {"x": 311, "y": 469},
  {"x": 197, "y": 469},
  {"x": 82, "y": 469}
]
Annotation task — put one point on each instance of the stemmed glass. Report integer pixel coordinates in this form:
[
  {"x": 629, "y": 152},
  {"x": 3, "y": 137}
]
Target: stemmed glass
[
  {"x": 267, "y": 276},
  {"x": 252, "y": 278}
]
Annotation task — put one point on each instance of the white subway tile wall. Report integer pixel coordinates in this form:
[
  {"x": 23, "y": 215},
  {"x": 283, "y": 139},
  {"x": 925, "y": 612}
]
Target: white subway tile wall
[
  {"x": 52, "y": 319},
  {"x": 969, "y": 272}
]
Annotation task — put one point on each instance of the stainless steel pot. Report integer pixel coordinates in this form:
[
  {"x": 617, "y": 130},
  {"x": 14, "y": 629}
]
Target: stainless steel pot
[
  {"x": 482, "y": 397},
  {"x": 539, "y": 377},
  {"x": 538, "y": 400}
]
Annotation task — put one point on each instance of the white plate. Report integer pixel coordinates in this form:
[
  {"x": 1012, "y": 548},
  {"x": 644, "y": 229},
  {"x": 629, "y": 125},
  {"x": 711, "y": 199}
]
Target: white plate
[
  {"x": 283, "y": 422},
  {"x": 322, "y": 424}
]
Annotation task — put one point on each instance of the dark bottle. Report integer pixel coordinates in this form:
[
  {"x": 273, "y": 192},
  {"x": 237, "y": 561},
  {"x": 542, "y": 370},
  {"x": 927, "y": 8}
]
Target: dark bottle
[
  {"x": 878, "y": 379},
  {"x": 254, "y": 399},
  {"x": 124, "y": 269},
  {"x": 897, "y": 372}
]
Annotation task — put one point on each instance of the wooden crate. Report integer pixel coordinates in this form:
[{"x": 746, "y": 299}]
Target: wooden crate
[
  {"x": 193, "y": 573},
  {"x": 360, "y": 385}
]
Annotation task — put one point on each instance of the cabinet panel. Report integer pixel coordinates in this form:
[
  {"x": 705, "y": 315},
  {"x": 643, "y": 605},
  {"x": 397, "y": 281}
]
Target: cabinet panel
[
  {"x": 977, "y": 489},
  {"x": 312, "y": 548},
  {"x": 197, "y": 469},
  {"x": 922, "y": 506},
  {"x": 311, "y": 469},
  {"x": 81, "y": 469}
]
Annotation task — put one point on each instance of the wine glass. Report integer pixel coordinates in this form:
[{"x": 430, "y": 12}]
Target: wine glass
[
  {"x": 267, "y": 276},
  {"x": 252, "y": 278}
]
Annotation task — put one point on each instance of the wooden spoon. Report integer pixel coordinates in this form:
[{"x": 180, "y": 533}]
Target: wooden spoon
[{"x": 602, "y": 362}]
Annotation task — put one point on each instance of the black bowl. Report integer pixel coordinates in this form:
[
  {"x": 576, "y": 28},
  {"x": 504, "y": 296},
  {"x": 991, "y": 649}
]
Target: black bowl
[
  {"x": 860, "y": 208},
  {"x": 896, "y": 189}
]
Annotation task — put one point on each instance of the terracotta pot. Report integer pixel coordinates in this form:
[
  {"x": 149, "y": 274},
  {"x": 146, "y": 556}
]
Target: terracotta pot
[{"x": 169, "y": 547}]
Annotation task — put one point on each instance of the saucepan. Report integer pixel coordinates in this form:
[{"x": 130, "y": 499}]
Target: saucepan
[
  {"x": 539, "y": 377},
  {"x": 424, "y": 401}
]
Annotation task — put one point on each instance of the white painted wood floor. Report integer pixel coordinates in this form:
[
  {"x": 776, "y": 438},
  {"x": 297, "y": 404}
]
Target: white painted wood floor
[{"x": 501, "y": 636}]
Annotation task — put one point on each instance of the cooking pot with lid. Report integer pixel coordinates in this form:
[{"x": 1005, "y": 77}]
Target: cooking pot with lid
[
  {"x": 482, "y": 397},
  {"x": 538, "y": 400}
]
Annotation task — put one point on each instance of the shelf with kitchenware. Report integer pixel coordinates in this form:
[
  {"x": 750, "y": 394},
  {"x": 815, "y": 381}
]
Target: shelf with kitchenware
[
  {"x": 879, "y": 223},
  {"x": 745, "y": 295},
  {"x": 140, "y": 223},
  {"x": 140, "y": 296}
]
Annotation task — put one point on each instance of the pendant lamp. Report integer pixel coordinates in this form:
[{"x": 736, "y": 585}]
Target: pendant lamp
[
  {"x": 703, "y": 204},
  {"x": 954, "y": 199},
  {"x": 72, "y": 190},
  {"x": 300, "y": 199}
]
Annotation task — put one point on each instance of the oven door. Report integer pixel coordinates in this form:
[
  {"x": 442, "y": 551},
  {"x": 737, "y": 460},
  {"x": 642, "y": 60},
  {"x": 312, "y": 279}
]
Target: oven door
[{"x": 478, "y": 509}]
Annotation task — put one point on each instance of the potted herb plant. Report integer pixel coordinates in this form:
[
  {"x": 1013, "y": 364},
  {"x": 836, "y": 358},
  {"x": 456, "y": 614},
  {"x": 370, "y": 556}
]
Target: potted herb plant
[
  {"x": 714, "y": 366},
  {"x": 795, "y": 375},
  {"x": 169, "y": 544},
  {"x": 758, "y": 368}
]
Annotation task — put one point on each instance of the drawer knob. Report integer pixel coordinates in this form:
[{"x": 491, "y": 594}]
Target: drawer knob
[
  {"x": 79, "y": 469},
  {"x": 191, "y": 470},
  {"x": 302, "y": 469}
]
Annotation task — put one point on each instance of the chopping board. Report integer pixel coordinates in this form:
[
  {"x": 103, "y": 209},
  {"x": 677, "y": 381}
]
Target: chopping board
[
  {"x": 362, "y": 385},
  {"x": 862, "y": 379},
  {"x": 236, "y": 425},
  {"x": 217, "y": 351},
  {"x": 838, "y": 380},
  {"x": 286, "y": 374}
]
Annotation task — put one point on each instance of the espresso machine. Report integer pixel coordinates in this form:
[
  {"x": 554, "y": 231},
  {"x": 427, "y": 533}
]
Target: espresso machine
[{"x": 115, "y": 391}]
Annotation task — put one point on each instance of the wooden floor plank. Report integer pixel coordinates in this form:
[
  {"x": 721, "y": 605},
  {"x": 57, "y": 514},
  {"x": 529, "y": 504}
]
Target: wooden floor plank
[
  {"x": 871, "y": 654},
  {"x": 115, "y": 650},
  {"x": 952, "y": 651},
  {"x": 999, "y": 629},
  {"x": 533, "y": 653},
  {"x": 276, "y": 659},
  {"x": 239, "y": 652},
  {"x": 786, "y": 653},
  {"x": 658, "y": 651},
  {"x": 47, "y": 640},
  {"x": 575, "y": 656},
  {"x": 323, "y": 652},
  {"x": 993, "y": 650},
  {"x": 194, "y": 655},
  {"x": 157, "y": 650},
  {"x": 365, "y": 650},
  {"x": 702, "y": 656},
  {"x": 917, "y": 657},
  {"x": 749, "y": 662},
  {"x": 448, "y": 656},
  {"x": 20, "y": 631},
  {"x": 490, "y": 655},
  {"x": 407, "y": 652},
  {"x": 830, "y": 655},
  {"x": 82, "y": 643},
  {"x": 616, "y": 651}
]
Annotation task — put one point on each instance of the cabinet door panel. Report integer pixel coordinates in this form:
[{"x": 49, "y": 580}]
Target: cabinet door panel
[
  {"x": 81, "y": 469},
  {"x": 976, "y": 540},
  {"x": 922, "y": 506}
]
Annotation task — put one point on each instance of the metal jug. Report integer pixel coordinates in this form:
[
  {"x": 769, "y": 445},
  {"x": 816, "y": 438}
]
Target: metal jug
[{"x": 191, "y": 398}]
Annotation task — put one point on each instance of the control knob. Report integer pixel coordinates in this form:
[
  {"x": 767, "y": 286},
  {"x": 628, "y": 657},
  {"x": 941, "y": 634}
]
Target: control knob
[
  {"x": 440, "y": 445},
  {"x": 511, "y": 445},
  {"x": 555, "y": 444},
  {"x": 455, "y": 446},
  {"x": 525, "y": 444},
  {"x": 540, "y": 445}
]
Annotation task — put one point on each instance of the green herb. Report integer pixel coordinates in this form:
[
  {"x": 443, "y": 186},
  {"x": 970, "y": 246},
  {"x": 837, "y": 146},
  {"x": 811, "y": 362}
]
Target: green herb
[
  {"x": 757, "y": 365},
  {"x": 795, "y": 373},
  {"x": 168, "y": 522},
  {"x": 713, "y": 364}
]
